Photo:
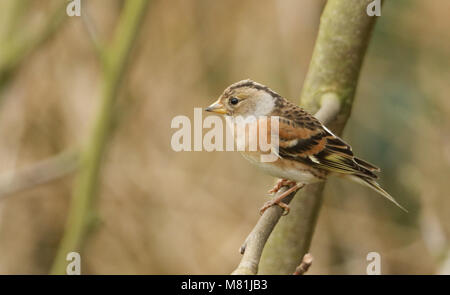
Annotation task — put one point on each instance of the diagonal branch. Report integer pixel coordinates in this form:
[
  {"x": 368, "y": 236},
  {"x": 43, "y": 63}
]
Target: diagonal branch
[
  {"x": 16, "y": 50},
  {"x": 94, "y": 37},
  {"x": 42, "y": 172},
  {"x": 304, "y": 265}
]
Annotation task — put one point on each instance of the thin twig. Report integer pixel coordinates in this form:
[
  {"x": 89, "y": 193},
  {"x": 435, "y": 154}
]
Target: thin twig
[
  {"x": 15, "y": 51},
  {"x": 304, "y": 265},
  {"x": 92, "y": 33},
  {"x": 44, "y": 171},
  {"x": 254, "y": 244}
]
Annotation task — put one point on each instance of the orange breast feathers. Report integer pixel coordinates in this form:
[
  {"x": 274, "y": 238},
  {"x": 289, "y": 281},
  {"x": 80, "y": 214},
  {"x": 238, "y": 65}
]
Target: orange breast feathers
[
  {"x": 255, "y": 135},
  {"x": 259, "y": 135}
]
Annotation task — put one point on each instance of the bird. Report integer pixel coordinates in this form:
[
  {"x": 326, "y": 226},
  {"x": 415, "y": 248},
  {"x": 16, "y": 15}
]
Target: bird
[{"x": 307, "y": 151}]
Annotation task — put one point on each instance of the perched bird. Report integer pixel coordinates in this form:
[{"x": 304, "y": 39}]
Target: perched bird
[{"x": 307, "y": 151}]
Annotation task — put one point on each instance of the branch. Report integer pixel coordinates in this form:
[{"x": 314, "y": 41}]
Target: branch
[
  {"x": 256, "y": 240},
  {"x": 91, "y": 30},
  {"x": 344, "y": 34},
  {"x": 16, "y": 50},
  {"x": 304, "y": 265},
  {"x": 65, "y": 162},
  {"x": 82, "y": 204},
  {"x": 37, "y": 174}
]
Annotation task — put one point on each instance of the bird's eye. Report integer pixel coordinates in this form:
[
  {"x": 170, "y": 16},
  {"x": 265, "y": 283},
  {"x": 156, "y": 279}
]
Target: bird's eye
[{"x": 234, "y": 100}]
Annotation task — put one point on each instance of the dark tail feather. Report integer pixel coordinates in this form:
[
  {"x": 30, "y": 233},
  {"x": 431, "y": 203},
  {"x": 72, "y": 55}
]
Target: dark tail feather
[
  {"x": 367, "y": 165},
  {"x": 376, "y": 187}
]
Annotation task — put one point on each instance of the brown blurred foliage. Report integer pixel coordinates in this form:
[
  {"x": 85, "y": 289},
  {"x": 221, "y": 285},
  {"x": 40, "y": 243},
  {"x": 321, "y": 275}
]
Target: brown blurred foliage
[{"x": 163, "y": 212}]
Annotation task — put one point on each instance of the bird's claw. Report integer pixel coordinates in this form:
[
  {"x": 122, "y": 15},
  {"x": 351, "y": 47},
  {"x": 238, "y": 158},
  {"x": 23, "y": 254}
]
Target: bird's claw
[
  {"x": 271, "y": 203},
  {"x": 280, "y": 183}
]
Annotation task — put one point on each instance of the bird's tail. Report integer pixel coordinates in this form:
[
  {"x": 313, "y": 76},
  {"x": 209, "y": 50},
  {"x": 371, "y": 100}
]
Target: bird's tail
[{"x": 376, "y": 187}]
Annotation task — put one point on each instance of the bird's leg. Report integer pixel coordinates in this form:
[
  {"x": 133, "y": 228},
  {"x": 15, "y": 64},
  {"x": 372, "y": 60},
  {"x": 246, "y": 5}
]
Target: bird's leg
[
  {"x": 278, "y": 200},
  {"x": 280, "y": 183}
]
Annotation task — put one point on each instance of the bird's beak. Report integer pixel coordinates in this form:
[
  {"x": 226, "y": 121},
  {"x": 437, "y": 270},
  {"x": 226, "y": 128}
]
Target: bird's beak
[{"x": 216, "y": 107}]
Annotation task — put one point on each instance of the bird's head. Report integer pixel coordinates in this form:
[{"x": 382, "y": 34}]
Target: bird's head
[{"x": 245, "y": 98}]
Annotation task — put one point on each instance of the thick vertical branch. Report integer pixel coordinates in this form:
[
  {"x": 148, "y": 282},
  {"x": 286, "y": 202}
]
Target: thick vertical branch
[
  {"x": 344, "y": 34},
  {"x": 81, "y": 209}
]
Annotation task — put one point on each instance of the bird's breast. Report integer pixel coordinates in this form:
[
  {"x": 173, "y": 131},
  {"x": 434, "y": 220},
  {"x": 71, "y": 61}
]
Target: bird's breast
[{"x": 249, "y": 138}]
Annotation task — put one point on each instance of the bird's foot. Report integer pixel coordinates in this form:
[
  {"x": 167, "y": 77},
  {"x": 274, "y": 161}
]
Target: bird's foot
[
  {"x": 278, "y": 199},
  {"x": 280, "y": 183},
  {"x": 271, "y": 203}
]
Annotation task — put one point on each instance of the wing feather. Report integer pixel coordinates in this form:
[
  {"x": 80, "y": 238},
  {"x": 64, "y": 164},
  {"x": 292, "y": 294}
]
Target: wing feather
[{"x": 303, "y": 138}]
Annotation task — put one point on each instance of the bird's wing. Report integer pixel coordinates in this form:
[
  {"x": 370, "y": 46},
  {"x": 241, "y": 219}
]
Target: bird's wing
[{"x": 303, "y": 138}]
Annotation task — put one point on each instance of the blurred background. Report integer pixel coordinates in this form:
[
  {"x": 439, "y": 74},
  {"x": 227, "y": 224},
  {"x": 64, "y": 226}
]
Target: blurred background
[{"x": 165, "y": 212}]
